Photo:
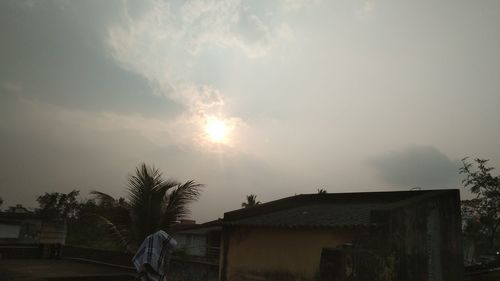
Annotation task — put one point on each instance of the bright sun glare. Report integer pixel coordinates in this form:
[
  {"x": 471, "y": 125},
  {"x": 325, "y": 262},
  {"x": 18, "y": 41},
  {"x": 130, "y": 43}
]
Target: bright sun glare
[{"x": 217, "y": 130}]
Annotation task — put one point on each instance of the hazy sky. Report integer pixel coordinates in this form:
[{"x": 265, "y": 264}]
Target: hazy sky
[{"x": 343, "y": 95}]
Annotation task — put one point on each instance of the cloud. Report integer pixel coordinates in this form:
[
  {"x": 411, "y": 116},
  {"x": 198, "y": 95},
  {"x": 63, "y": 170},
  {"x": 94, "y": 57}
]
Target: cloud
[
  {"x": 422, "y": 166},
  {"x": 162, "y": 43},
  {"x": 189, "y": 30},
  {"x": 296, "y": 5},
  {"x": 52, "y": 148},
  {"x": 365, "y": 10},
  {"x": 228, "y": 24},
  {"x": 12, "y": 87},
  {"x": 60, "y": 118}
]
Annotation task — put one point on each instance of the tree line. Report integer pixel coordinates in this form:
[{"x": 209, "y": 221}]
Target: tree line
[{"x": 153, "y": 203}]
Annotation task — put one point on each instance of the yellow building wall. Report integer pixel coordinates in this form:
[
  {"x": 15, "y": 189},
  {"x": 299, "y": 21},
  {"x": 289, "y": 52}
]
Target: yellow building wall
[{"x": 279, "y": 254}]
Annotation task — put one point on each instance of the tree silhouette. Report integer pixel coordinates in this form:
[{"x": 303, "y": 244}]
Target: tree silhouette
[
  {"x": 322, "y": 191},
  {"x": 152, "y": 204},
  {"x": 251, "y": 201},
  {"x": 58, "y": 205},
  {"x": 482, "y": 214}
]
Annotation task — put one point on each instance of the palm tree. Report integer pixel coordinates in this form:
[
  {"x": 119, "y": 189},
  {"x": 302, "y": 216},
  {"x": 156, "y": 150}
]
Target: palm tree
[
  {"x": 321, "y": 191},
  {"x": 152, "y": 204},
  {"x": 251, "y": 201}
]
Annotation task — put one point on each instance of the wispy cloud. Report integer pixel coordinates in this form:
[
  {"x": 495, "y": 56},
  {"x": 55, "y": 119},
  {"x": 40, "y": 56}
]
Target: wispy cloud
[
  {"x": 12, "y": 87},
  {"x": 160, "y": 43},
  {"x": 296, "y": 5},
  {"x": 366, "y": 9}
]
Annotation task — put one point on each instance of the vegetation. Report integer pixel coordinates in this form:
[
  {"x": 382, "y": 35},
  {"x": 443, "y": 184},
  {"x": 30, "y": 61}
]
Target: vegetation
[
  {"x": 58, "y": 205},
  {"x": 152, "y": 204},
  {"x": 481, "y": 214},
  {"x": 251, "y": 201},
  {"x": 87, "y": 231},
  {"x": 82, "y": 228},
  {"x": 104, "y": 222},
  {"x": 322, "y": 191}
]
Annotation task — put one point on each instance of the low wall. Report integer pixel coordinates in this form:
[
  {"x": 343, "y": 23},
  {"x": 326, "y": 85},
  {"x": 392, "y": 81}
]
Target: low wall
[
  {"x": 93, "y": 278},
  {"x": 181, "y": 269},
  {"x": 186, "y": 270},
  {"x": 112, "y": 257},
  {"x": 19, "y": 251}
]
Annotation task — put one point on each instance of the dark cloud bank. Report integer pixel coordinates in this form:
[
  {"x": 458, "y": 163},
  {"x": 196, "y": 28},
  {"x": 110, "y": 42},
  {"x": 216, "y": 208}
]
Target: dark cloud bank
[{"x": 417, "y": 166}]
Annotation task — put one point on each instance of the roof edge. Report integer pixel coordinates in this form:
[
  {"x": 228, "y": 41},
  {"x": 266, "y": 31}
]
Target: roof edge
[{"x": 391, "y": 197}]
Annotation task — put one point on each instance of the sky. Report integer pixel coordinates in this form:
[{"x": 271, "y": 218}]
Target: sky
[{"x": 274, "y": 98}]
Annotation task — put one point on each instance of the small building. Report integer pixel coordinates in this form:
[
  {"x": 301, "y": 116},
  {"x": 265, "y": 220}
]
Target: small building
[
  {"x": 404, "y": 235},
  {"x": 18, "y": 209},
  {"x": 22, "y": 232},
  {"x": 200, "y": 241},
  {"x": 19, "y": 228}
]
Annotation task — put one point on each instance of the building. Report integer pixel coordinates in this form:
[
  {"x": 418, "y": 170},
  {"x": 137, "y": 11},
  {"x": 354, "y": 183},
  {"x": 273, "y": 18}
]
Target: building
[
  {"x": 18, "y": 209},
  {"x": 19, "y": 227},
  {"x": 406, "y": 235},
  {"x": 22, "y": 233},
  {"x": 200, "y": 241}
]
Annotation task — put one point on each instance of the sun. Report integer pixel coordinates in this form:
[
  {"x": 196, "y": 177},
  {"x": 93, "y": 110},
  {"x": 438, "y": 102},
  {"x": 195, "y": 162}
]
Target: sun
[{"x": 216, "y": 130}]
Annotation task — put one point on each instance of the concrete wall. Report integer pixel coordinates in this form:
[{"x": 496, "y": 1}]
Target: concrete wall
[
  {"x": 180, "y": 269},
  {"x": 186, "y": 270},
  {"x": 191, "y": 244},
  {"x": 277, "y": 254},
  {"x": 112, "y": 257},
  {"x": 434, "y": 239},
  {"x": 19, "y": 251},
  {"x": 53, "y": 233},
  {"x": 9, "y": 230},
  {"x": 420, "y": 241}
]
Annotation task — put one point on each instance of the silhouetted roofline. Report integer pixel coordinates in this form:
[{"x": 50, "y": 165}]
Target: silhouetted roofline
[
  {"x": 198, "y": 228},
  {"x": 383, "y": 200},
  {"x": 17, "y": 217}
]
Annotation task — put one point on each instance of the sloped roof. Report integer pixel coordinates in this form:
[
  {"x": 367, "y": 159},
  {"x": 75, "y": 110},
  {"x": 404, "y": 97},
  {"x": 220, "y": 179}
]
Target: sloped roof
[
  {"x": 326, "y": 210},
  {"x": 16, "y": 218},
  {"x": 197, "y": 228},
  {"x": 319, "y": 215}
]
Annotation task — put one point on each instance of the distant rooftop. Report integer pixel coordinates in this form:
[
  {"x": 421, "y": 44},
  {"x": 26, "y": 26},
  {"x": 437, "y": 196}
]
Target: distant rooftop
[
  {"x": 326, "y": 210},
  {"x": 6, "y": 217},
  {"x": 193, "y": 228}
]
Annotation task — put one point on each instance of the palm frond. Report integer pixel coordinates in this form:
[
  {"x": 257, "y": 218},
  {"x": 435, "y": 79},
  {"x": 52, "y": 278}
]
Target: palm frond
[
  {"x": 251, "y": 201},
  {"x": 103, "y": 198},
  {"x": 177, "y": 200},
  {"x": 152, "y": 204},
  {"x": 118, "y": 232},
  {"x": 147, "y": 191}
]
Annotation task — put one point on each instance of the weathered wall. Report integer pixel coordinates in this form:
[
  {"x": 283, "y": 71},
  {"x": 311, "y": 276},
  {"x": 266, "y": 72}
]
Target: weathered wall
[
  {"x": 184, "y": 270},
  {"x": 191, "y": 244},
  {"x": 181, "y": 269},
  {"x": 9, "y": 230},
  {"x": 19, "y": 251},
  {"x": 423, "y": 239},
  {"x": 432, "y": 249},
  {"x": 278, "y": 254},
  {"x": 112, "y": 257}
]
